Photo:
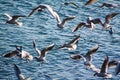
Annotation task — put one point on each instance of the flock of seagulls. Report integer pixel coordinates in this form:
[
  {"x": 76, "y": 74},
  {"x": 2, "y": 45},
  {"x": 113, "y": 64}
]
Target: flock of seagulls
[{"x": 72, "y": 45}]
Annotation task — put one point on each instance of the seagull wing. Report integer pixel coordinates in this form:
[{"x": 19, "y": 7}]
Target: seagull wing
[
  {"x": 78, "y": 26},
  {"x": 112, "y": 63},
  {"x": 45, "y": 50},
  {"x": 90, "y": 52},
  {"x": 18, "y": 73},
  {"x": 74, "y": 40},
  {"x": 10, "y": 17},
  {"x": 117, "y": 69},
  {"x": 11, "y": 54},
  {"x": 50, "y": 10},
  {"x": 76, "y": 56},
  {"x": 34, "y": 10},
  {"x": 15, "y": 17},
  {"x": 110, "y": 16},
  {"x": 104, "y": 67},
  {"x": 36, "y": 49},
  {"x": 90, "y": 2},
  {"x": 53, "y": 13},
  {"x": 96, "y": 21},
  {"x": 67, "y": 19},
  {"x": 73, "y": 3}
]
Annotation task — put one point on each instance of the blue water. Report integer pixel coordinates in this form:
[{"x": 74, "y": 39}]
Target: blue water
[{"x": 41, "y": 26}]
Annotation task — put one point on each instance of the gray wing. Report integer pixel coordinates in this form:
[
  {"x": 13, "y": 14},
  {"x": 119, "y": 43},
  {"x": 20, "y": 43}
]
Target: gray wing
[
  {"x": 73, "y": 3},
  {"x": 18, "y": 72},
  {"x": 45, "y": 50},
  {"x": 90, "y": 2},
  {"x": 34, "y": 10},
  {"x": 117, "y": 69},
  {"x": 11, "y": 54},
  {"x": 15, "y": 17},
  {"x": 74, "y": 40},
  {"x": 36, "y": 49},
  {"x": 78, "y": 26},
  {"x": 112, "y": 63},
  {"x": 76, "y": 56},
  {"x": 110, "y": 16},
  {"x": 90, "y": 52},
  {"x": 67, "y": 19},
  {"x": 96, "y": 21},
  {"x": 104, "y": 67}
]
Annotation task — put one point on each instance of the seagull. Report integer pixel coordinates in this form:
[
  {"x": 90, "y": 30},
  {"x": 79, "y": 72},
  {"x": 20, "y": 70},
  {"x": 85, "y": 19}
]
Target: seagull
[
  {"x": 87, "y": 58},
  {"x": 19, "y": 75},
  {"x": 72, "y": 3},
  {"x": 20, "y": 53},
  {"x": 68, "y": 3},
  {"x": 13, "y": 19},
  {"x": 90, "y": 2},
  {"x": 104, "y": 68},
  {"x": 53, "y": 13},
  {"x": 72, "y": 44},
  {"x": 110, "y": 5},
  {"x": 108, "y": 18},
  {"x": 41, "y": 54}
]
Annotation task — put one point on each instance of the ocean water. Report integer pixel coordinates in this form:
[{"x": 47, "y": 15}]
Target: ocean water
[{"x": 41, "y": 26}]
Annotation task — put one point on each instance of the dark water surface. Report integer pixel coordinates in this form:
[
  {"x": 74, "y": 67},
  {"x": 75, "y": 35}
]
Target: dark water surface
[{"x": 41, "y": 26}]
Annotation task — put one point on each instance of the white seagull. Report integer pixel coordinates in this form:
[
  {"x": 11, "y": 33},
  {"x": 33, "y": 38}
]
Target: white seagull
[
  {"x": 110, "y": 5},
  {"x": 20, "y": 53},
  {"x": 72, "y": 44},
  {"x": 88, "y": 58},
  {"x": 108, "y": 18},
  {"x": 41, "y": 54},
  {"x": 104, "y": 69},
  {"x": 68, "y": 3},
  {"x": 53, "y": 13},
  {"x": 13, "y": 19}
]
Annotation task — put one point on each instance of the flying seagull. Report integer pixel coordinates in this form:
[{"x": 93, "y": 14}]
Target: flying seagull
[
  {"x": 72, "y": 44},
  {"x": 110, "y": 5},
  {"x": 82, "y": 24},
  {"x": 87, "y": 58},
  {"x": 13, "y": 19},
  {"x": 20, "y": 53},
  {"x": 60, "y": 23},
  {"x": 108, "y": 18},
  {"x": 19, "y": 75},
  {"x": 68, "y": 3},
  {"x": 89, "y": 2},
  {"x": 41, "y": 54},
  {"x": 104, "y": 69}
]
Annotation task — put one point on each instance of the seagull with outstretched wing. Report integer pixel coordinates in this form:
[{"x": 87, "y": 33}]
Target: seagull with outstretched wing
[
  {"x": 41, "y": 54},
  {"x": 104, "y": 69},
  {"x": 13, "y": 19},
  {"x": 72, "y": 44}
]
